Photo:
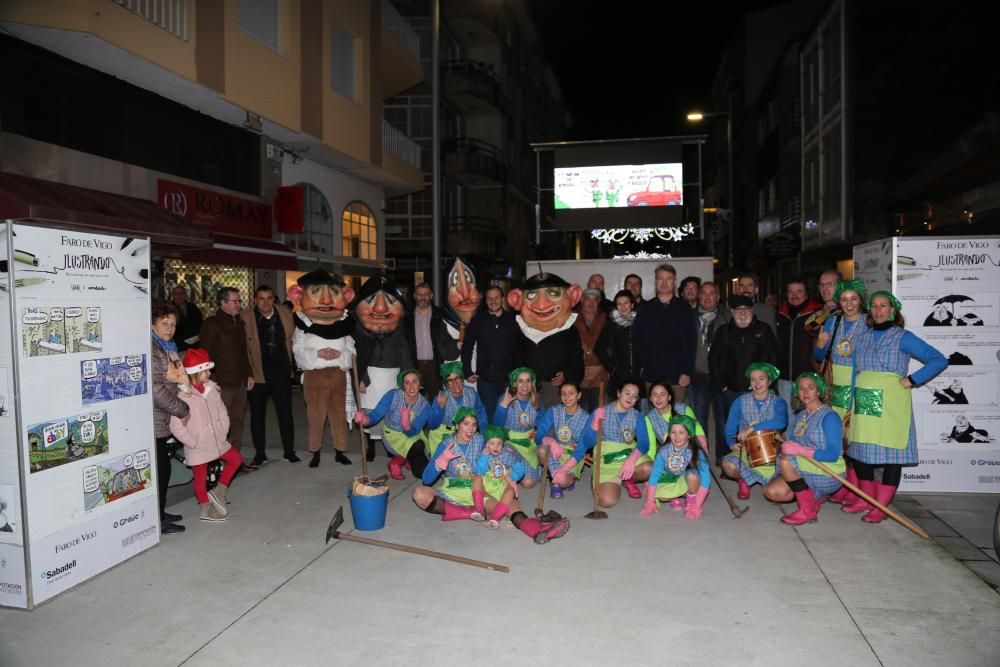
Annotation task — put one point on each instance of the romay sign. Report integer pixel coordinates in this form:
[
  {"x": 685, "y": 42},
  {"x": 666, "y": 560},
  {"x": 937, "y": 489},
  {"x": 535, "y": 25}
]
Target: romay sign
[{"x": 217, "y": 211}]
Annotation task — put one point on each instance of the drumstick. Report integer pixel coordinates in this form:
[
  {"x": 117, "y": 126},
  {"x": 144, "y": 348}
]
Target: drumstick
[
  {"x": 902, "y": 520},
  {"x": 737, "y": 511}
]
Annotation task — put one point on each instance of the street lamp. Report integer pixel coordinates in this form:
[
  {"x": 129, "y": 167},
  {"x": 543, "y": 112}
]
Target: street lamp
[{"x": 698, "y": 116}]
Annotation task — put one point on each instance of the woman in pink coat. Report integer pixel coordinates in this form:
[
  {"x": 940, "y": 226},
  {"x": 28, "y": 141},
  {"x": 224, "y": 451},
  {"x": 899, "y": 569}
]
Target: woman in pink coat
[{"x": 204, "y": 435}]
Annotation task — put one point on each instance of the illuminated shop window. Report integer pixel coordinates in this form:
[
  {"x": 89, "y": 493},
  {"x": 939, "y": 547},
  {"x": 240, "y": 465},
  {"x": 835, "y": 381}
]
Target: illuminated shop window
[{"x": 360, "y": 236}]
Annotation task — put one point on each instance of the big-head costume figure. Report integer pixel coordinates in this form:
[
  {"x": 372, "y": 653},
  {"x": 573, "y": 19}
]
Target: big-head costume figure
[
  {"x": 549, "y": 343},
  {"x": 323, "y": 347},
  {"x": 381, "y": 342},
  {"x": 463, "y": 301}
]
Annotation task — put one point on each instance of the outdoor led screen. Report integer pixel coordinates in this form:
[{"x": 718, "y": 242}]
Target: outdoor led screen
[{"x": 618, "y": 186}]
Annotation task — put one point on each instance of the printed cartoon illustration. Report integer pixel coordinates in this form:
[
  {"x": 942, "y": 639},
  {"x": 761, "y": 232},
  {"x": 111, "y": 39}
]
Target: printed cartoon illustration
[
  {"x": 60, "y": 441},
  {"x": 116, "y": 479},
  {"x": 112, "y": 378}
]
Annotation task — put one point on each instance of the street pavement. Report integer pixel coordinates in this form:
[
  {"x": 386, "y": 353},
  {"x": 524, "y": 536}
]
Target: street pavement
[{"x": 264, "y": 589}]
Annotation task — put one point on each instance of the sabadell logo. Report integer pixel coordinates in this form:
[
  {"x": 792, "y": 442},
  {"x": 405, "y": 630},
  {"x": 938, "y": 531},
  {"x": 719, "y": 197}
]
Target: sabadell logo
[{"x": 49, "y": 574}]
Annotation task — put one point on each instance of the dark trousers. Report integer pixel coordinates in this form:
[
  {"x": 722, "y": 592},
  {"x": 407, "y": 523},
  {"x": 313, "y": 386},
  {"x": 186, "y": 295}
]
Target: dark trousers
[
  {"x": 429, "y": 372},
  {"x": 700, "y": 399},
  {"x": 162, "y": 472},
  {"x": 490, "y": 393},
  {"x": 279, "y": 389},
  {"x": 728, "y": 398},
  {"x": 589, "y": 399}
]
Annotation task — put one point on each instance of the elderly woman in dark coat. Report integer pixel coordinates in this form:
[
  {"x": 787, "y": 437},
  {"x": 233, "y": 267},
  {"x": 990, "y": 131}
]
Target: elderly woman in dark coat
[{"x": 167, "y": 372}]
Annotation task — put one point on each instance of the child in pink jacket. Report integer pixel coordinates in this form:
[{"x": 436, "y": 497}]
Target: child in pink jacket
[{"x": 203, "y": 433}]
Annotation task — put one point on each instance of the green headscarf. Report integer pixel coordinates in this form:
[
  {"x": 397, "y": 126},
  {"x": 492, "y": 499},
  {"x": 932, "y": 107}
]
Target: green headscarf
[
  {"x": 462, "y": 413},
  {"x": 896, "y": 305},
  {"x": 684, "y": 421},
  {"x": 815, "y": 377},
  {"x": 770, "y": 370},
  {"x": 493, "y": 431},
  {"x": 451, "y": 368},
  {"x": 517, "y": 371},
  {"x": 857, "y": 286},
  {"x": 403, "y": 373}
]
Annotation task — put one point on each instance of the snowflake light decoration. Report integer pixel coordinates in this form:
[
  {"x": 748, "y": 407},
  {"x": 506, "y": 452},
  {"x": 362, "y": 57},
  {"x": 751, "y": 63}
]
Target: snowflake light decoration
[{"x": 642, "y": 234}]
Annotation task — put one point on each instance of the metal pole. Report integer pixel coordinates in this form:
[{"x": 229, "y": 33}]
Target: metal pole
[
  {"x": 732, "y": 193},
  {"x": 538, "y": 198},
  {"x": 701, "y": 199},
  {"x": 436, "y": 150}
]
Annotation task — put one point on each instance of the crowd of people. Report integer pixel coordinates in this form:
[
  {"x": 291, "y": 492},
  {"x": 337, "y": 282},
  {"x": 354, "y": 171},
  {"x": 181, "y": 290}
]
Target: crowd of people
[{"x": 512, "y": 393}]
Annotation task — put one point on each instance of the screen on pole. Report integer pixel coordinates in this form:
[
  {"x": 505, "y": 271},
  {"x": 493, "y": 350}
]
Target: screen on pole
[{"x": 641, "y": 180}]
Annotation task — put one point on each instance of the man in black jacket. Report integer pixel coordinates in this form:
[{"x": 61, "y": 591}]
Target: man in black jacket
[
  {"x": 428, "y": 338},
  {"x": 666, "y": 336},
  {"x": 491, "y": 336},
  {"x": 548, "y": 342},
  {"x": 735, "y": 346}
]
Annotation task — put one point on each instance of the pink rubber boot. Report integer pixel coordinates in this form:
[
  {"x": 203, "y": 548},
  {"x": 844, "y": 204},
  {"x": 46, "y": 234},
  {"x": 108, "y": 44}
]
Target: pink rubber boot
[
  {"x": 860, "y": 505},
  {"x": 396, "y": 464},
  {"x": 543, "y": 532},
  {"x": 744, "y": 491},
  {"x": 844, "y": 496},
  {"x": 884, "y": 494},
  {"x": 453, "y": 512},
  {"x": 478, "y": 512},
  {"x": 496, "y": 516},
  {"x": 806, "y": 513}
]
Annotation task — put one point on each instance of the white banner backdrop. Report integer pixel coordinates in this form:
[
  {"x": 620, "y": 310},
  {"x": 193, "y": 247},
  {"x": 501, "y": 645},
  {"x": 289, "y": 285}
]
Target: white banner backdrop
[{"x": 950, "y": 291}]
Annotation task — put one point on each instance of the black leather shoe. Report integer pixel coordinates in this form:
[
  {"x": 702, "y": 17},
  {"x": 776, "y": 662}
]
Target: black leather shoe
[
  {"x": 292, "y": 458},
  {"x": 314, "y": 461},
  {"x": 169, "y": 528},
  {"x": 260, "y": 459},
  {"x": 342, "y": 460},
  {"x": 370, "y": 454},
  {"x": 167, "y": 517}
]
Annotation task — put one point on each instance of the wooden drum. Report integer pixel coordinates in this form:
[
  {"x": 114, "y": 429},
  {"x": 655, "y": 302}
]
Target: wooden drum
[{"x": 762, "y": 447}]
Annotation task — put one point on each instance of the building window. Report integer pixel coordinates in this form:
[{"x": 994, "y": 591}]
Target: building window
[
  {"x": 359, "y": 233},
  {"x": 343, "y": 57},
  {"x": 318, "y": 235},
  {"x": 261, "y": 20}
]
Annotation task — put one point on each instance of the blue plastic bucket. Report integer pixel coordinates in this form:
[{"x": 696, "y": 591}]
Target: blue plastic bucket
[{"x": 369, "y": 512}]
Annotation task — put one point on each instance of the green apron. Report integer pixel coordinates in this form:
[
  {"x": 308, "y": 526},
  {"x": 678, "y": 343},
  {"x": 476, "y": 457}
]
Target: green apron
[
  {"x": 493, "y": 485},
  {"x": 437, "y": 435},
  {"x": 671, "y": 486},
  {"x": 568, "y": 450},
  {"x": 524, "y": 443},
  {"x": 767, "y": 471},
  {"x": 458, "y": 490},
  {"x": 613, "y": 456},
  {"x": 882, "y": 410},
  {"x": 399, "y": 441},
  {"x": 841, "y": 399},
  {"x": 806, "y": 464}
]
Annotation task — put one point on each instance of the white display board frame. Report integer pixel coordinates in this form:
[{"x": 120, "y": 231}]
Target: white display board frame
[
  {"x": 76, "y": 328},
  {"x": 949, "y": 288}
]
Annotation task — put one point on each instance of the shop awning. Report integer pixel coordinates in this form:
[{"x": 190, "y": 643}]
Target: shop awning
[
  {"x": 22, "y": 197},
  {"x": 244, "y": 251}
]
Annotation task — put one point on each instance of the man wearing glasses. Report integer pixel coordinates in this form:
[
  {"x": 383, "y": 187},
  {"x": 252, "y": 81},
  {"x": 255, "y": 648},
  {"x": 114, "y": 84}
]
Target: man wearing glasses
[{"x": 224, "y": 337}]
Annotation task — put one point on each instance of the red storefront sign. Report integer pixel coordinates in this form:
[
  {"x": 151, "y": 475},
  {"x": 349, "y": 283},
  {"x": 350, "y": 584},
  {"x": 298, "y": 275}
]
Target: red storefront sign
[
  {"x": 289, "y": 209},
  {"x": 216, "y": 211}
]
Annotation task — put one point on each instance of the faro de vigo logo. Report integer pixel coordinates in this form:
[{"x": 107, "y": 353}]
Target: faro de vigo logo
[{"x": 175, "y": 201}]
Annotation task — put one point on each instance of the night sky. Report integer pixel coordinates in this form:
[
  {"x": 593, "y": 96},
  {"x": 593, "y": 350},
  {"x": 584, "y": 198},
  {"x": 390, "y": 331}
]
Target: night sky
[{"x": 634, "y": 68}]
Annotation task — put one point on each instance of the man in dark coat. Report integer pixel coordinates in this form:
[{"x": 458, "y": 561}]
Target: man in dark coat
[
  {"x": 428, "y": 338},
  {"x": 491, "y": 335},
  {"x": 735, "y": 346},
  {"x": 666, "y": 336},
  {"x": 549, "y": 342}
]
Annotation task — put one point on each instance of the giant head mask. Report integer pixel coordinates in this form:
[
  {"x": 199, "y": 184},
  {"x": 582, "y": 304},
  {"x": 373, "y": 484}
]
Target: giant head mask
[
  {"x": 323, "y": 296},
  {"x": 545, "y": 302},
  {"x": 380, "y": 306},
  {"x": 463, "y": 295}
]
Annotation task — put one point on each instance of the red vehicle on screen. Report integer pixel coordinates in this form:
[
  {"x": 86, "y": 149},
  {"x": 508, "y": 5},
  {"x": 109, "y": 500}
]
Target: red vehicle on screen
[{"x": 660, "y": 191}]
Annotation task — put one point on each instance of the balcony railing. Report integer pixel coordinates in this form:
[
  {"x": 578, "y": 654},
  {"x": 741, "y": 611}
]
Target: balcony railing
[
  {"x": 476, "y": 79},
  {"x": 471, "y": 223},
  {"x": 396, "y": 24},
  {"x": 394, "y": 142},
  {"x": 169, "y": 15}
]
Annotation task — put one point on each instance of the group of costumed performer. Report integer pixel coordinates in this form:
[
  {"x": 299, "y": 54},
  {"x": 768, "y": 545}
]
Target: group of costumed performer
[
  {"x": 517, "y": 412},
  {"x": 835, "y": 346},
  {"x": 323, "y": 346},
  {"x": 557, "y": 434},
  {"x": 403, "y": 412},
  {"x": 479, "y": 480},
  {"x": 883, "y": 431},
  {"x": 456, "y": 394},
  {"x": 758, "y": 410}
]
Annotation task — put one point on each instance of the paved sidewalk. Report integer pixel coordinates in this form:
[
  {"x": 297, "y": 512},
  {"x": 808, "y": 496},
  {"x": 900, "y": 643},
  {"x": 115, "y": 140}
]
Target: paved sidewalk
[{"x": 264, "y": 589}]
